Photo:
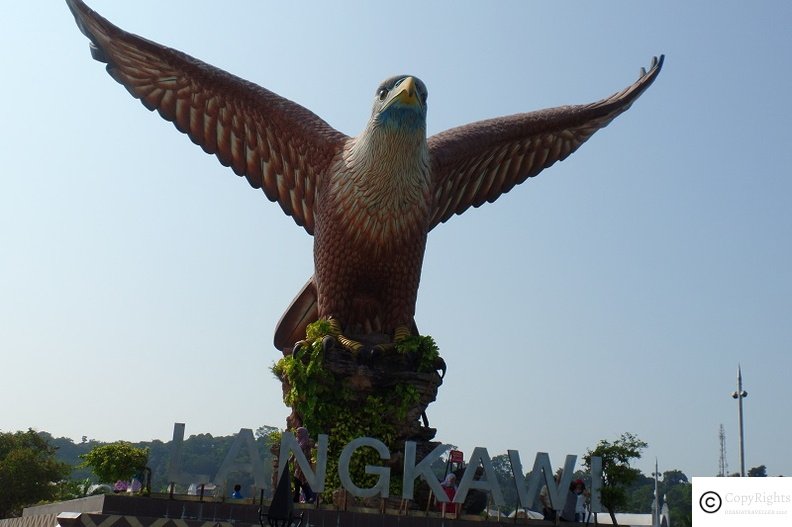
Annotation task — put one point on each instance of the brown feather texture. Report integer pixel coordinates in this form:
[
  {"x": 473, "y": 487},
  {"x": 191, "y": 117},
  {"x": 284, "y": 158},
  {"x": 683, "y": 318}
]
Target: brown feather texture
[{"x": 369, "y": 201}]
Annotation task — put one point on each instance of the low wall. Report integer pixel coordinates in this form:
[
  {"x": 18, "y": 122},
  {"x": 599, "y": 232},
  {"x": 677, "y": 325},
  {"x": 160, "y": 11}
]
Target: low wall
[
  {"x": 42, "y": 520},
  {"x": 312, "y": 518},
  {"x": 89, "y": 504},
  {"x": 129, "y": 511}
]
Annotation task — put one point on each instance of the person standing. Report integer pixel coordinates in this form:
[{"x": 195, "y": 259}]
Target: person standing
[
  {"x": 449, "y": 487},
  {"x": 301, "y": 485},
  {"x": 580, "y": 504}
]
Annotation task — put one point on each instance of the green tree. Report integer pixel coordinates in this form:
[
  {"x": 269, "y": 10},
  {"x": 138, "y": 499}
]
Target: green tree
[
  {"x": 674, "y": 477},
  {"x": 758, "y": 472},
  {"x": 680, "y": 504},
  {"x": 617, "y": 474},
  {"x": 640, "y": 495},
  {"x": 503, "y": 471},
  {"x": 28, "y": 471},
  {"x": 116, "y": 461},
  {"x": 71, "y": 489},
  {"x": 266, "y": 432}
]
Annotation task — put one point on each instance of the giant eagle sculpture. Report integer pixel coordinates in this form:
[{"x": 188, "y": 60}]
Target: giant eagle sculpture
[{"x": 369, "y": 201}]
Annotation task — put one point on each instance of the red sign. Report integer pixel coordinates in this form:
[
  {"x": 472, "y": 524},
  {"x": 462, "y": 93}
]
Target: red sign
[{"x": 456, "y": 456}]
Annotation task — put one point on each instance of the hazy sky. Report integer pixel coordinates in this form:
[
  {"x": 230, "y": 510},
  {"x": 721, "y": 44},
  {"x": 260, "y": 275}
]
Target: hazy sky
[{"x": 141, "y": 281}]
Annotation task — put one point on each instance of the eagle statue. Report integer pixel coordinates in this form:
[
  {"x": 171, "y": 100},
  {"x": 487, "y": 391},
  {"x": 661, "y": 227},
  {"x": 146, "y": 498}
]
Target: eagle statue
[{"x": 369, "y": 201}]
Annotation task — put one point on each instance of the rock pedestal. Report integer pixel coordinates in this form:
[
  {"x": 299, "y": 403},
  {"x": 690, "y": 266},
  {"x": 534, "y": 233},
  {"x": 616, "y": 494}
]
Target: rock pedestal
[{"x": 378, "y": 393}]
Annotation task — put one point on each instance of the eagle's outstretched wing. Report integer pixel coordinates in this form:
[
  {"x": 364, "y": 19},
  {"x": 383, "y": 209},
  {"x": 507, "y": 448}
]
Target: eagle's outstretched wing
[
  {"x": 477, "y": 162},
  {"x": 278, "y": 145}
]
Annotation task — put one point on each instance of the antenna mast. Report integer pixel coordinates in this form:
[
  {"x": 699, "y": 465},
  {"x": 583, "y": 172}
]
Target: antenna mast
[{"x": 723, "y": 465}]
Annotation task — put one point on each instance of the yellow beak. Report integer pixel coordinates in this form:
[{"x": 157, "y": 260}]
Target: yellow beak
[{"x": 404, "y": 93}]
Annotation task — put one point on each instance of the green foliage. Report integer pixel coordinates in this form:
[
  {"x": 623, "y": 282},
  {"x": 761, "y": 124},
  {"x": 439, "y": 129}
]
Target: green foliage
[
  {"x": 267, "y": 432},
  {"x": 71, "y": 489},
  {"x": 28, "y": 471},
  {"x": 269, "y": 436},
  {"x": 116, "y": 461},
  {"x": 317, "y": 330},
  {"x": 328, "y": 405},
  {"x": 680, "y": 504},
  {"x": 503, "y": 471},
  {"x": 310, "y": 383},
  {"x": 424, "y": 347},
  {"x": 617, "y": 474},
  {"x": 674, "y": 488},
  {"x": 674, "y": 477},
  {"x": 640, "y": 495},
  {"x": 758, "y": 472}
]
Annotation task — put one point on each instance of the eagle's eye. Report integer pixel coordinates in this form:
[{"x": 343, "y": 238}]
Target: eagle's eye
[{"x": 382, "y": 93}]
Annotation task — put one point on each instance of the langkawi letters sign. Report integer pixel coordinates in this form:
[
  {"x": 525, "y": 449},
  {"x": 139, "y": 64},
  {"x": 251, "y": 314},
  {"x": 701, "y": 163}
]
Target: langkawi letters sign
[
  {"x": 527, "y": 488},
  {"x": 528, "y": 491}
]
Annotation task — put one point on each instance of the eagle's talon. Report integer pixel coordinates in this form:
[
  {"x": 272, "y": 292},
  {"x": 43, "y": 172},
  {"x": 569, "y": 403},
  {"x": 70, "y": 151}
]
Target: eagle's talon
[
  {"x": 440, "y": 365},
  {"x": 385, "y": 347},
  {"x": 297, "y": 347},
  {"x": 335, "y": 326},
  {"x": 367, "y": 354},
  {"x": 328, "y": 343},
  {"x": 349, "y": 344},
  {"x": 401, "y": 334}
]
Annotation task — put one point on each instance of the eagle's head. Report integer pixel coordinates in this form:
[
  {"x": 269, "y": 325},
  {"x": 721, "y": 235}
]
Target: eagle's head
[{"x": 400, "y": 104}]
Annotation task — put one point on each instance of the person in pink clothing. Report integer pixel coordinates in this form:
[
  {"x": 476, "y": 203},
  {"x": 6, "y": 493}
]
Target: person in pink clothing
[{"x": 449, "y": 486}]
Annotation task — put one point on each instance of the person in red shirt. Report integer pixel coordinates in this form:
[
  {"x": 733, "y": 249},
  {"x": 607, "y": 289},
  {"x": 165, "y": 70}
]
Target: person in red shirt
[{"x": 449, "y": 486}]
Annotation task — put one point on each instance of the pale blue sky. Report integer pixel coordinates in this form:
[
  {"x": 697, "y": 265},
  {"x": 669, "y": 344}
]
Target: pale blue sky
[{"x": 140, "y": 281}]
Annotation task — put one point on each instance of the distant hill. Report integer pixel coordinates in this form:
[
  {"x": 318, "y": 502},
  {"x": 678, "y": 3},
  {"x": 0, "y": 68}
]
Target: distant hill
[{"x": 201, "y": 454}]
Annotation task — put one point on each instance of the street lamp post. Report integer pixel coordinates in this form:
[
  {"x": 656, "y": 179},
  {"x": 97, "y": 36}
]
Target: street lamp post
[{"x": 740, "y": 394}]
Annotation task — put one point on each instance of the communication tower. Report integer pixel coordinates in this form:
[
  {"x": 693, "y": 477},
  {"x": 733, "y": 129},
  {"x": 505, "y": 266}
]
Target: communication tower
[{"x": 723, "y": 465}]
